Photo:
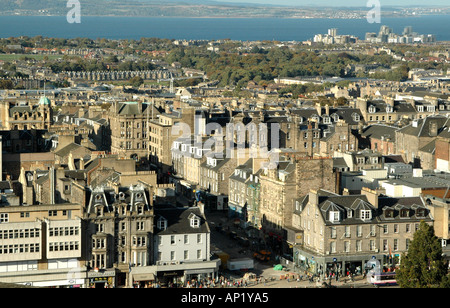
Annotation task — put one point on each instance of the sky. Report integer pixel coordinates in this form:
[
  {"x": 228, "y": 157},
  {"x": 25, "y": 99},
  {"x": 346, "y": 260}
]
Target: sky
[{"x": 345, "y": 2}]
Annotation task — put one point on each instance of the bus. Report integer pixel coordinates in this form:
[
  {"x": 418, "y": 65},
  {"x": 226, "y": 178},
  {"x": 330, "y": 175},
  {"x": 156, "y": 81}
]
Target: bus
[{"x": 382, "y": 279}]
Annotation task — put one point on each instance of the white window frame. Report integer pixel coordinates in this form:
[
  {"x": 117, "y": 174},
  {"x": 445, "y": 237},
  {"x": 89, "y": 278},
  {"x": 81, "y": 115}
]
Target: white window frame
[
  {"x": 366, "y": 214},
  {"x": 334, "y": 216}
]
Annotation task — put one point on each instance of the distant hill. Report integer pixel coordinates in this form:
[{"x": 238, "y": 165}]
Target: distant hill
[
  {"x": 123, "y": 7},
  {"x": 149, "y": 8},
  {"x": 186, "y": 8}
]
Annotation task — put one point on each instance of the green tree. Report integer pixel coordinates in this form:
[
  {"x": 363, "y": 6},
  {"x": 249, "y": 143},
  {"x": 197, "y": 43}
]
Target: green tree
[
  {"x": 136, "y": 81},
  {"x": 423, "y": 266},
  {"x": 6, "y": 84}
]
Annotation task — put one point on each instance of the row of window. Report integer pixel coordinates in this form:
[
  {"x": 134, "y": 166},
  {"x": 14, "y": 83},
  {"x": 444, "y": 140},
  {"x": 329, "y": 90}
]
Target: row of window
[
  {"x": 128, "y": 134},
  {"x": 19, "y": 248},
  {"x": 185, "y": 239},
  {"x": 129, "y": 124},
  {"x": 186, "y": 256},
  {"x": 122, "y": 226},
  {"x": 64, "y": 246},
  {"x": 19, "y": 233},
  {"x": 129, "y": 145},
  {"x": 359, "y": 233},
  {"x": 372, "y": 246},
  {"x": 63, "y": 231}
]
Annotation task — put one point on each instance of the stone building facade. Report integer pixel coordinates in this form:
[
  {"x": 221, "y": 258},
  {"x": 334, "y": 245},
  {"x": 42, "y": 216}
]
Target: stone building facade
[
  {"x": 294, "y": 176},
  {"x": 341, "y": 233},
  {"x": 26, "y": 116}
]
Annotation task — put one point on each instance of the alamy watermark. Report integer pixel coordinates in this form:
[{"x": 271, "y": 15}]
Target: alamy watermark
[
  {"x": 74, "y": 14},
  {"x": 374, "y": 15},
  {"x": 237, "y": 141}
]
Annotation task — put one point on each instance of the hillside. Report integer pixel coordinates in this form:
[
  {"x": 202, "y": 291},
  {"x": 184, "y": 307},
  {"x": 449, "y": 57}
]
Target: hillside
[
  {"x": 196, "y": 8},
  {"x": 171, "y": 8}
]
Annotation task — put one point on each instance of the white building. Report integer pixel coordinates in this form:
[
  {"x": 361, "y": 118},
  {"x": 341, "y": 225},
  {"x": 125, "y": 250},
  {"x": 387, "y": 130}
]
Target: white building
[{"x": 182, "y": 247}]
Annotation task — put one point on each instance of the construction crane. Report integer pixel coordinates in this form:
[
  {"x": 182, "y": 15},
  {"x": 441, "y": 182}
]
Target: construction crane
[{"x": 172, "y": 79}]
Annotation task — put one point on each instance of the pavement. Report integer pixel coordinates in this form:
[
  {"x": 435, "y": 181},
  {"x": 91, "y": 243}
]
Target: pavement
[
  {"x": 220, "y": 241},
  {"x": 278, "y": 279}
]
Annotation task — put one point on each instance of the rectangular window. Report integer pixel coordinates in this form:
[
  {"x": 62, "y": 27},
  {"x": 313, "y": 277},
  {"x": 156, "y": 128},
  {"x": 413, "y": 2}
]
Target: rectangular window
[
  {"x": 4, "y": 217},
  {"x": 366, "y": 214},
  {"x": 358, "y": 245},
  {"x": 332, "y": 247},
  {"x": 347, "y": 231},
  {"x": 333, "y": 232},
  {"x": 385, "y": 245},
  {"x": 372, "y": 245},
  {"x": 358, "y": 231},
  {"x": 347, "y": 246}
]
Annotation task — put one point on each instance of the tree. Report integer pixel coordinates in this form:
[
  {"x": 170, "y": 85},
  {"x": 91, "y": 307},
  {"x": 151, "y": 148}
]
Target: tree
[
  {"x": 6, "y": 84},
  {"x": 423, "y": 266},
  {"x": 136, "y": 81}
]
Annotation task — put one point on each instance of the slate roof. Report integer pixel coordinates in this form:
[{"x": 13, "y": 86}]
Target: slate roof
[
  {"x": 345, "y": 205},
  {"x": 68, "y": 149},
  {"x": 377, "y": 131},
  {"x": 429, "y": 147},
  {"x": 413, "y": 205},
  {"x": 178, "y": 221},
  {"x": 423, "y": 126},
  {"x": 399, "y": 106},
  {"x": 131, "y": 108}
]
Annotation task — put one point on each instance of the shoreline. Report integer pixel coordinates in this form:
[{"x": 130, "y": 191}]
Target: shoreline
[{"x": 224, "y": 17}]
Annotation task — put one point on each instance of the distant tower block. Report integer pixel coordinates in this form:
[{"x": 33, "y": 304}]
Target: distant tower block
[{"x": 333, "y": 32}]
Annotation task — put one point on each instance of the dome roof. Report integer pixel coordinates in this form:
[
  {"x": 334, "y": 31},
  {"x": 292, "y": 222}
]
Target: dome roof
[{"x": 44, "y": 101}]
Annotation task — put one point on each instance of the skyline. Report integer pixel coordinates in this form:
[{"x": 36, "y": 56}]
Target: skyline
[{"x": 342, "y": 3}]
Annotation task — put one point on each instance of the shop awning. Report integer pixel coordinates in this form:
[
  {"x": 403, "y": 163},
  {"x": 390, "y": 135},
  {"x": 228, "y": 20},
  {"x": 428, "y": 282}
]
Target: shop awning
[{"x": 144, "y": 277}]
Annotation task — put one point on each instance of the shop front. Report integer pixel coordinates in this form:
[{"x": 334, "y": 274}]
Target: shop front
[
  {"x": 146, "y": 280},
  {"x": 171, "y": 279},
  {"x": 71, "y": 283},
  {"x": 341, "y": 265},
  {"x": 101, "y": 279}
]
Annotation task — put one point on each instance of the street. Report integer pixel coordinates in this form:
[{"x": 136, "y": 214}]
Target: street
[{"x": 224, "y": 233}]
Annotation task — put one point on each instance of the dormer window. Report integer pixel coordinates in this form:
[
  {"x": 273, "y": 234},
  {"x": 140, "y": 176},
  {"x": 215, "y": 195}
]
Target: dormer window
[
  {"x": 389, "y": 109},
  {"x": 404, "y": 213},
  {"x": 162, "y": 223},
  {"x": 420, "y": 108},
  {"x": 356, "y": 117},
  {"x": 194, "y": 221},
  {"x": 139, "y": 196},
  {"x": 349, "y": 213},
  {"x": 334, "y": 216},
  {"x": 420, "y": 212},
  {"x": 211, "y": 162},
  {"x": 389, "y": 213},
  {"x": 366, "y": 214},
  {"x": 99, "y": 209},
  {"x": 372, "y": 109}
]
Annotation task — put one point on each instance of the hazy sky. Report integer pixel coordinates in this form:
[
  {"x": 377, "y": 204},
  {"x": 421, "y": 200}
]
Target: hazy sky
[{"x": 345, "y": 2}]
